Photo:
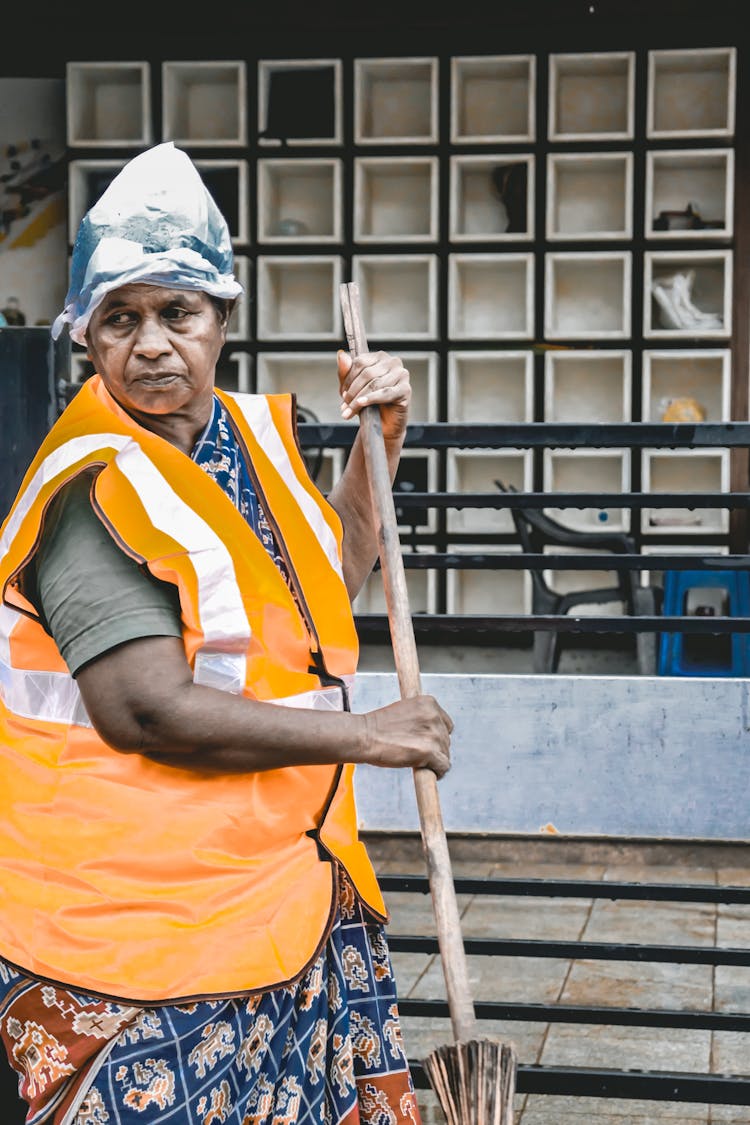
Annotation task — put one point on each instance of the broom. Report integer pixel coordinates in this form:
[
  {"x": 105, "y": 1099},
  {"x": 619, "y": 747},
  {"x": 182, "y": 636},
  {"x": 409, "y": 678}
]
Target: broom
[{"x": 474, "y": 1079}]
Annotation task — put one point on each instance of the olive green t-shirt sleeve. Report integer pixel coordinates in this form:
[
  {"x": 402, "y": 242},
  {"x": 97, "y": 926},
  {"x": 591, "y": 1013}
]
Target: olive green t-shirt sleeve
[{"x": 91, "y": 595}]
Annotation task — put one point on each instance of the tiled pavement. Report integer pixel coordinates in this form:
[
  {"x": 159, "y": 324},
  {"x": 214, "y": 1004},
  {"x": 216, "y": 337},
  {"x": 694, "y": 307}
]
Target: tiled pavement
[{"x": 586, "y": 982}]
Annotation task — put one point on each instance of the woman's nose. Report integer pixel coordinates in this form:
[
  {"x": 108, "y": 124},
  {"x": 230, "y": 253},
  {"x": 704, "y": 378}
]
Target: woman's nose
[{"x": 152, "y": 338}]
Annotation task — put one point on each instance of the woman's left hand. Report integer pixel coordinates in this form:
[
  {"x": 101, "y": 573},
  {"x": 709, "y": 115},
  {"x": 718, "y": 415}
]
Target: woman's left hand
[{"x": 375, "y": 378}]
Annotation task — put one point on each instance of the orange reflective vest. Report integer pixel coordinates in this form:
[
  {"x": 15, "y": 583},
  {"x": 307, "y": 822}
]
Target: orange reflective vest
[{"x": 130, "y": 879}]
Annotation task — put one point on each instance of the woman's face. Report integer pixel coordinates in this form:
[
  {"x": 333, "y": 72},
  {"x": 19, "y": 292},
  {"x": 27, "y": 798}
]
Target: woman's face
[{"x": 156, "y": 349}]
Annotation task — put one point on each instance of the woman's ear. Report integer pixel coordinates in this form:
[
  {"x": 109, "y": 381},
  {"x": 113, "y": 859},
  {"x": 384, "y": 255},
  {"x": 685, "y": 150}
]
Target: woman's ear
[
  {"x": 223, "y": 306},
  {"x": 229, "y": 304}
]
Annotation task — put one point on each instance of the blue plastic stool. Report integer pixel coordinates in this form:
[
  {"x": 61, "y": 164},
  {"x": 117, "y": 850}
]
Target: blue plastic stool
[{"x": 727, "y": 593}]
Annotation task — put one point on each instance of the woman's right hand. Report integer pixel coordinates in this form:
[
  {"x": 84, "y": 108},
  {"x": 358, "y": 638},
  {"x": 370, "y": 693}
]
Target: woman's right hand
[{"x": 411, "y": 732}]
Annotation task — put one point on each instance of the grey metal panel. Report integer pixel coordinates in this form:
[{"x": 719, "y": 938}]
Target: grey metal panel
[{"x": 641, "y": 756}]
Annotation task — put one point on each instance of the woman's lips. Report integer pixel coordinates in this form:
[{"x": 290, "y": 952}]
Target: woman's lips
[{"x": 163, "y": 379}]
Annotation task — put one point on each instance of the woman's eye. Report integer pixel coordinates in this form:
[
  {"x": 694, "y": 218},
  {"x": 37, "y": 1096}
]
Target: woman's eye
[
  {"x": 175, "y": 313},
  {"x": 119, "y": 318}
]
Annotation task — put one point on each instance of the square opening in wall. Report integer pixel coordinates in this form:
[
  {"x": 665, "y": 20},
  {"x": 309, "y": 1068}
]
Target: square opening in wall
[
  {"x": 487, "y": 592},
  {"x": 395, "y": 199},
  {"x": 301, "y": 103},
  {"x": 574, "y": 471},
  {"x": 587, "y": 387},
  {"x": 689, "y": 193},
  {"x": 695, "y": 471},
  {"x": 299, "y": 200},
  {"x": 108, "y": 104},
  {"x": 686, "y": 386},
  {"x": 688, "y": 294},
  {"x": 589, "y": 196},
  {"x": 490, "y": 296},
  {"x": 691, "y": 92},
  {"x": 398, "y": 295},
  {"x": 490, "y": 387},
  {"x": 239, "y": 320},
  {"x": 395, "y": 100},
  {"x": 296, "y": 298},
  {"x": 591, "y": 95},
  {"x": 492, "y": 98},
  {"x": 491, "y": 198},
  {"x": 204, "y": 103},
  {"x": 588, "y": 295},
  {"x": 477, "y": 471}
]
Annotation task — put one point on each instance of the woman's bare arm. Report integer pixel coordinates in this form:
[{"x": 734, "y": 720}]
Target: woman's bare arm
[
  {"x": 372, "y": 378},
  {"x": 141, "y": 698}
]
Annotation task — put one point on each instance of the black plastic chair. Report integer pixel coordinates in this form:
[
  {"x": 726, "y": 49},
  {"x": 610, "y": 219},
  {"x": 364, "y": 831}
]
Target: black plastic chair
[{"x": 537, "y": 531}]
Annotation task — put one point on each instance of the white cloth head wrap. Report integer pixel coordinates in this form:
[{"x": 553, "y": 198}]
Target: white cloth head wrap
[{"x": 156, "y": 223}]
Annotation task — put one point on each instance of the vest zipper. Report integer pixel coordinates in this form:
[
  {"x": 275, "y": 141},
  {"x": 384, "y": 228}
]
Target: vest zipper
[{"x": 318, "y": 666}]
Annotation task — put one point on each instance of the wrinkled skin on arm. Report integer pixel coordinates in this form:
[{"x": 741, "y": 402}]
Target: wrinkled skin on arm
[{"x": 141, "y": 698}]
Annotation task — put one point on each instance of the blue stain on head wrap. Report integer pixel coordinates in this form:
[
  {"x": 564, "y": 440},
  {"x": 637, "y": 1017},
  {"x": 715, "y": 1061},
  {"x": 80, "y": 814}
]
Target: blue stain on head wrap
[{"x": 157, "y": 224}]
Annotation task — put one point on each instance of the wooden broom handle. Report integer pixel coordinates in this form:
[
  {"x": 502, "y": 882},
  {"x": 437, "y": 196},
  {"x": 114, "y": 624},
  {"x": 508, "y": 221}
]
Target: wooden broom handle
[{"x": 434, "y": 841}]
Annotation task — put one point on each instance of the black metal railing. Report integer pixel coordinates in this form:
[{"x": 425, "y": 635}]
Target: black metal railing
[
  {"x": 441, "y": 627},
  {"x": 593, "y": 1082}
]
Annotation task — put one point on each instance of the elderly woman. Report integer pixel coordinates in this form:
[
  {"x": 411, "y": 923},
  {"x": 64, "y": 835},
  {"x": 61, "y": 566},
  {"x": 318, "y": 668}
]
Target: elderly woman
[{"x": 191, "y": 929}]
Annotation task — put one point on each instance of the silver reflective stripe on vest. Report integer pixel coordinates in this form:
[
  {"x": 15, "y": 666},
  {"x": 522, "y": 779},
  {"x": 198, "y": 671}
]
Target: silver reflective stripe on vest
[
  {"x": 55, "y": 463},
  {"x": 50, "y": 697},
  {"x": 226, "y": 671},
  {"x": 257, "y": 414},
  {"x": 320, "y": 699},
  {"x": 223, "y": 619}
]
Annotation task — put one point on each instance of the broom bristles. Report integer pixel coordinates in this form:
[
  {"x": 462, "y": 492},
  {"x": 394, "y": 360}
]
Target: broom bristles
[{"x": 475, "y": 1082}]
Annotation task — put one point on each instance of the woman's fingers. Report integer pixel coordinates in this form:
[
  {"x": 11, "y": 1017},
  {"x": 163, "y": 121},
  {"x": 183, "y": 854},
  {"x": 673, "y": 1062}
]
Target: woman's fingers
[
  {"x": 372, "y": 378},
  {"x": 412, "y": 732}
]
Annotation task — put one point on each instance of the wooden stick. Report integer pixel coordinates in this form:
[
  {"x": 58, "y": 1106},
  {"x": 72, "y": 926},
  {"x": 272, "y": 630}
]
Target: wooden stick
[{"x": 435, "y": 845}]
